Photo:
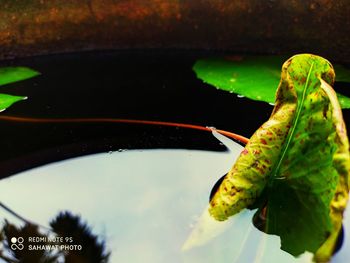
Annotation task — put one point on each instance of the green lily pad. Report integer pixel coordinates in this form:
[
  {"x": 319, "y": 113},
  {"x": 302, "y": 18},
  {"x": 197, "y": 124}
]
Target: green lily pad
[
  {"x": 255, "y": 77},
  {"x": 14, "y": 74},
  {"x": 10, "y": 75},
  {"x": 7, "y": 100}
]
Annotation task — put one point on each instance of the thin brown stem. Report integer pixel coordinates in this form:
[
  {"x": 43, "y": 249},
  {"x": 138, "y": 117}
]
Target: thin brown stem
[{"x": 130, "y": 121}]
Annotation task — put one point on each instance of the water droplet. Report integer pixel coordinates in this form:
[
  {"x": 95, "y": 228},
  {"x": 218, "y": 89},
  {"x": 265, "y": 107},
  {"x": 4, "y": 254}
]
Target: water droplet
[
  {"x": 240, "y": 96},
  {"x": 110, "y": 152},
  {"x": 121, "y": 150},
  {"x": 272, "y": 104},
  {"x": 231, "y": 91}
]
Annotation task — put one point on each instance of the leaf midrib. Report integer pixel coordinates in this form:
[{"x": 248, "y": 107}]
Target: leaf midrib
[{"x": 295, "y": 123}]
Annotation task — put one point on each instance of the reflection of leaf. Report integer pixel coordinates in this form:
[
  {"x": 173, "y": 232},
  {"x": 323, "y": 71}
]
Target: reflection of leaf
[
  {"x": 7, "y": 100},
  {"x": 253, "y": 77},
  {"x": 26, "y": 232},
  {"x": 14, "y": 74},
  {"x": 296, "y": 165},
  {"x": 68, "y": 225}
]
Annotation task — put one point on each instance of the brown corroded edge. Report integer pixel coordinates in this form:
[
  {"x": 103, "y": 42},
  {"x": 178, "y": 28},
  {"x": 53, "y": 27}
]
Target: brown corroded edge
[{"x": 41, "y": 26}]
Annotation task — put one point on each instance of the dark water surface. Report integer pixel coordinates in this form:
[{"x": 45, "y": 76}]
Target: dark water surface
[
  {"x": 150, "y": 85},
  {"x": 135, "y": 85}
]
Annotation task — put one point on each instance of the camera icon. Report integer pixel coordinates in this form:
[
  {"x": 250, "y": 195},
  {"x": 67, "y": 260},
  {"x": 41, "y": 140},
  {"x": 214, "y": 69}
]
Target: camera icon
[{"x": 17, "y": 243}]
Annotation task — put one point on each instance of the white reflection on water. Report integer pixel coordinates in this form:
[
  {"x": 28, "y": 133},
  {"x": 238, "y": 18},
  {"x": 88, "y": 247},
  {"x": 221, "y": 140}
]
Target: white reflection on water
[{"x": 145, "y": 203}]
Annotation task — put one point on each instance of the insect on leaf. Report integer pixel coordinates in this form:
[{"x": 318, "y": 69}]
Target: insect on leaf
[{"x": 295, "y": 167}]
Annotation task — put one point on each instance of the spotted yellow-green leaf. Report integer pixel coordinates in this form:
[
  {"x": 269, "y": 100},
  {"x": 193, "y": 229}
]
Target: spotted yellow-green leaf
[
  {"x": 295, "y": 167},
  {"x": 14, "y": 74},
  {"x": 254, "y": 77},
  {"x": 7, "y": 100}
]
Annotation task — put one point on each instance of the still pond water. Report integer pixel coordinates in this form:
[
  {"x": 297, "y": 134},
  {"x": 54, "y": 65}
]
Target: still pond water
[{"x": 148, "y": 205}]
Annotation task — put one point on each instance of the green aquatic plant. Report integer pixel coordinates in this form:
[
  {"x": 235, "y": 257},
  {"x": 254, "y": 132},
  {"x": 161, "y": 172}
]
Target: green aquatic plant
[
  {"x": 254, "y": 77},
  {"x": 295, "y": 168},
  {"x": 10, "y": 75}
]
